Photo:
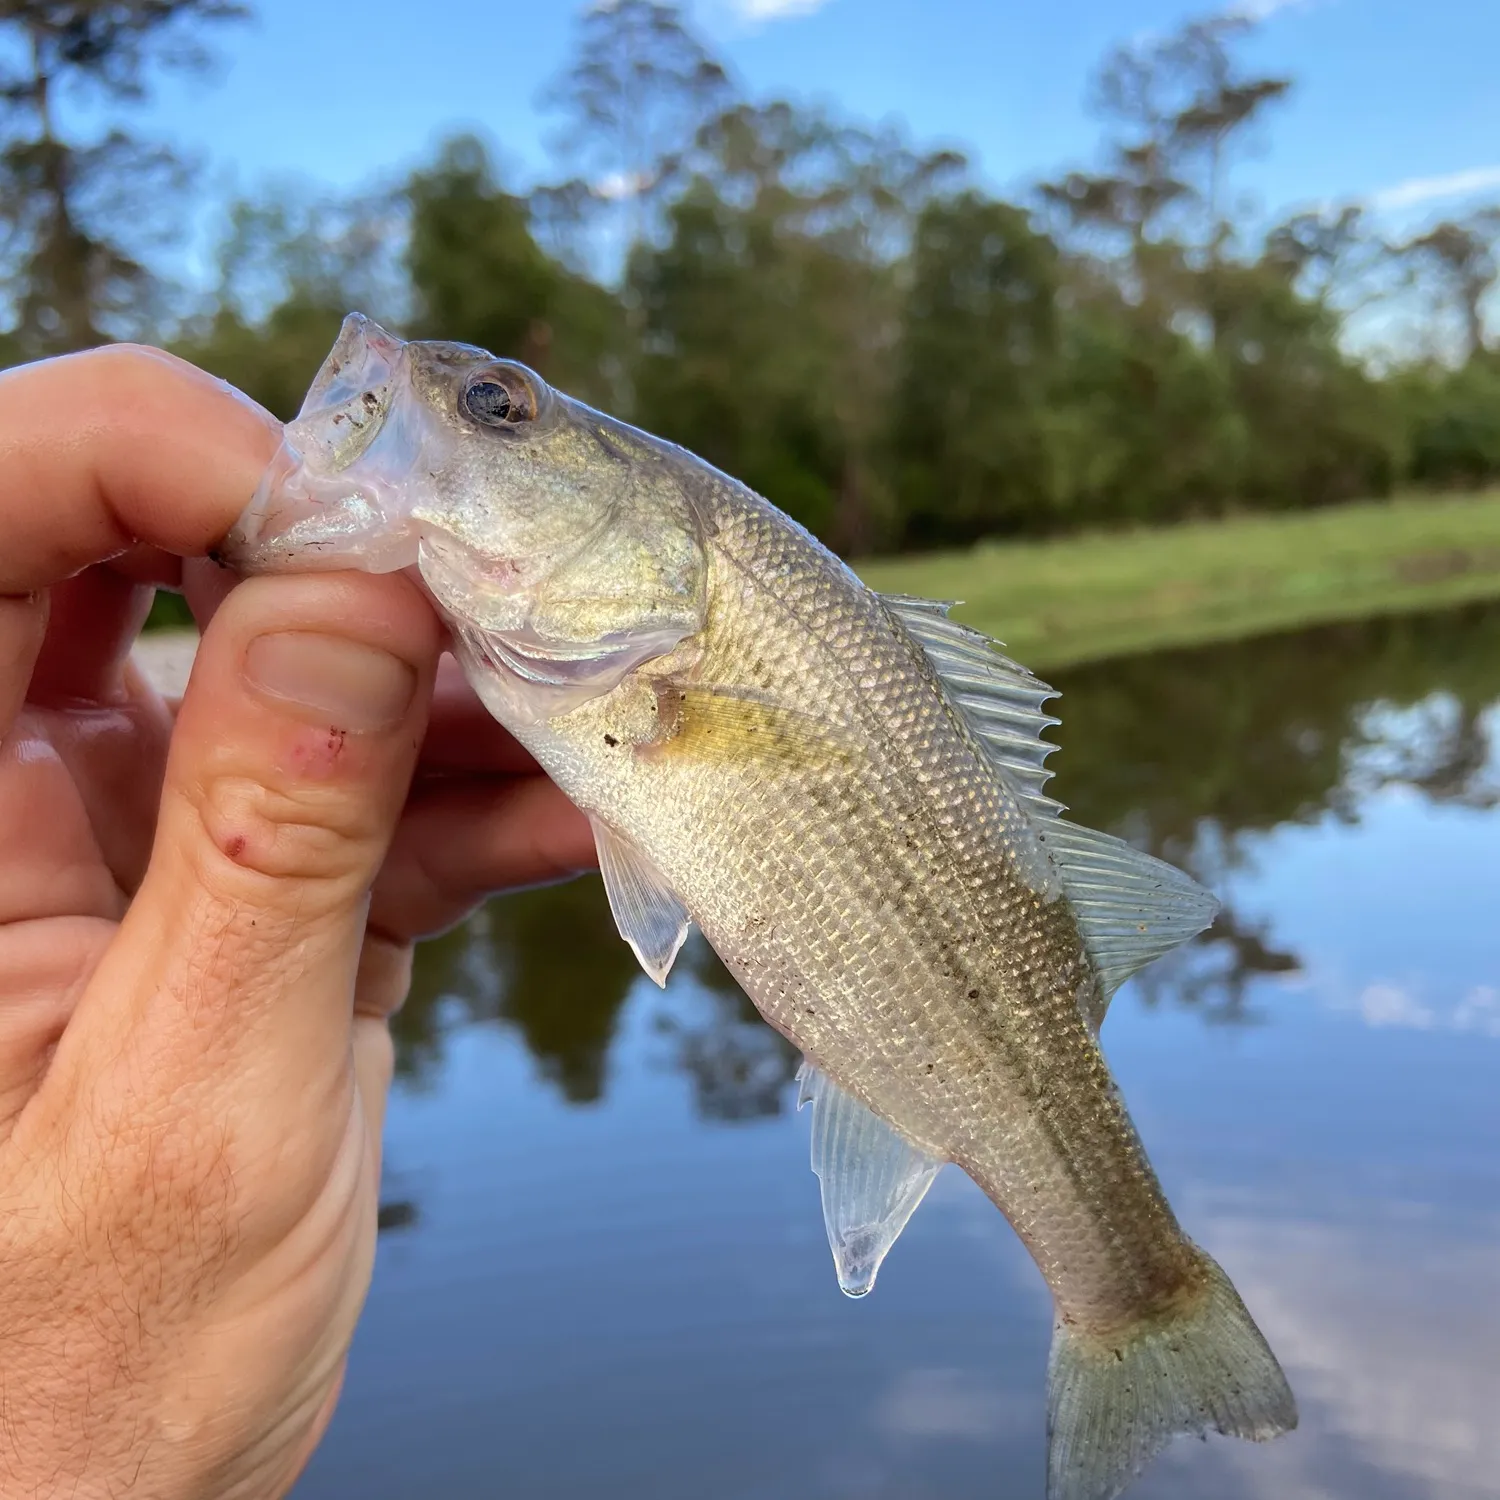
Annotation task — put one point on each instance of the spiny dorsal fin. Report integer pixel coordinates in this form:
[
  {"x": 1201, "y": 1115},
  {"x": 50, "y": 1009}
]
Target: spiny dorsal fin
[
  {"x": 1130, "y": 907},
  {"x": 1000, "y": 700},
  {"x": 871, "y": 1178}
]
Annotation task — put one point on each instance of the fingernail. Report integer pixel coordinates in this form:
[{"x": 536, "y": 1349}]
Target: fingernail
[{"x": 344, "y": 683}]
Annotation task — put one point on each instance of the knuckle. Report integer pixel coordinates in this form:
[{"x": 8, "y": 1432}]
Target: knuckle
[
  {"x": 132, "y": 373},
  {"x": 304, "y": 833},
  {"x": 383, "y": 979}
]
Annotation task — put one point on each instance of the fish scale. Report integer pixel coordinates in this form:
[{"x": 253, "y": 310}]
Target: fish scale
[
  {"x": 1019, "y": 1097},
  {"x": 845, "y": 792}
]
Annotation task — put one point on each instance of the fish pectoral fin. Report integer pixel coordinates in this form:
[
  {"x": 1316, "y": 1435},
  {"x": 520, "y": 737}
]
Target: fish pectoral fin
[
  {"x": 1130, "y": 907},
  {"x": 718, "y": 723},
  {"x": 646, "y": 909},
  {"x": 999, "y": 699},
  {"x": 871, "y": 1178}
]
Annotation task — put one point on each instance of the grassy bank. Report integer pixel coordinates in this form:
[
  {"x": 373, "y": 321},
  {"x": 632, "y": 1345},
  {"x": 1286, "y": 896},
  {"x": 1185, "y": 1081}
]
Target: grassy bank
[{"x": 1083, "y": 598}]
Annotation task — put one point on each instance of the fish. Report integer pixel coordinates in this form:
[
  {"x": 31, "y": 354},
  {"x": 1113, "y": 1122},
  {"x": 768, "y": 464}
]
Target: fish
[{"x": 845, "y": 792}]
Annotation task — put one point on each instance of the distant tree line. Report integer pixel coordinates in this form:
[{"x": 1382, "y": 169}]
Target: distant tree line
[{"x": 848, "y": 323}]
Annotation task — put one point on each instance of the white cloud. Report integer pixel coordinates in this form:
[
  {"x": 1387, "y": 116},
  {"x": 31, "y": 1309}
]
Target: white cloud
[
  {"x": 1386, "y": 1006},
  {"x": 928, "y": 1403},
  {"x": 616, "y": 187},
  {"x": 1418, "y": 190},
  {"x": 1383, "y": 1005},
  {"x": 1386, "y": 1329},
  {"x": 1479, "y": 1011},
  {"x": 1263, "y": 10},
  {"x": 774, "y": 10}
]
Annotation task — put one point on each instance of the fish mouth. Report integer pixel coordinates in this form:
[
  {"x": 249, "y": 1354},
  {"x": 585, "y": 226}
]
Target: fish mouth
[
  {"x": 351, "y": 487},
  {"x": 337, "y": 494}
]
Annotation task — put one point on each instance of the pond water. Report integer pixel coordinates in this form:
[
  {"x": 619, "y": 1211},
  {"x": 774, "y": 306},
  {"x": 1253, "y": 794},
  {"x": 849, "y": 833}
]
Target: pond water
[{"x": 603, "y": 1270}]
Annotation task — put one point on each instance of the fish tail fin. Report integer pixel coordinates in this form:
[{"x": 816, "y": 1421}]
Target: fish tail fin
[{"x": 1115, "y": 1401}]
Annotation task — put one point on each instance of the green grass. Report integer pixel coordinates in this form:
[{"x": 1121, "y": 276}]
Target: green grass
[{"x": 1087, "y": 597}]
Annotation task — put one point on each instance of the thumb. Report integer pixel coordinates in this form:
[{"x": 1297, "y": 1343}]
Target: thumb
[{"x": 289, "y": 767}]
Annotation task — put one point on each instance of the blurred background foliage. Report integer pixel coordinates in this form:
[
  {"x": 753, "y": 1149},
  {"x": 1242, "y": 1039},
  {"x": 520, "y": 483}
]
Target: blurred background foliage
[{"x": 847, "y": 321}]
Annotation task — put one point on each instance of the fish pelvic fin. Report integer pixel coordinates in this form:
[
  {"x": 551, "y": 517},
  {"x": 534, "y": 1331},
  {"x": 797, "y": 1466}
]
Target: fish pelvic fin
[{"x": 1114, "y": 1401}]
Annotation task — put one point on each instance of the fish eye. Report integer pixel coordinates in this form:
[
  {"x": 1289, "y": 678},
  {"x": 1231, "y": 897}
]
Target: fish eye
[{"x": 499, "y": 398}]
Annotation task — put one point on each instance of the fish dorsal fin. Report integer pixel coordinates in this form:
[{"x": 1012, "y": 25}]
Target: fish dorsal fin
[
  {"x": 646, "y": 909},
  {"x": 1000, "y": 700},
  {"x": 871, "y": 1179},
  {"x": 1130, "y": 907}
]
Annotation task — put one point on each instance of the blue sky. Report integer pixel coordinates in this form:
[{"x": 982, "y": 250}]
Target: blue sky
[{"x": 1396, "y": 102}]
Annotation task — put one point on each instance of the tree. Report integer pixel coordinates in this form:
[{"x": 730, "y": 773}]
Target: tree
[
  {"x": 1463, "y": 255},
  {"x": 1454, "y": 415},
  {"x": 479, "y": 275},
  {"x": 76, "y": 216},
  {"x": 733, "y": 363},
  {"x": 634, "y": 98},
  {"x": 1330, "y": 255},
  {"x": 1217, "y": 104},
  {"x": 1318, "y": 427},
  {"x": 1177, "y": 107},
  {"x": 1148, "y": 430},
  {"x": 971, "y": 433},
  {"x": 771, "y": 312},
  {"x": 291, "y": 265}
]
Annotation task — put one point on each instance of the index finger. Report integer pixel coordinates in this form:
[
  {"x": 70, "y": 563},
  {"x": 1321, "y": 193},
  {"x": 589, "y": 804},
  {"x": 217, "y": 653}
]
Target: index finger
[
  {"x": 463, "y": 737},
  {"x": 102, "y": 450}
]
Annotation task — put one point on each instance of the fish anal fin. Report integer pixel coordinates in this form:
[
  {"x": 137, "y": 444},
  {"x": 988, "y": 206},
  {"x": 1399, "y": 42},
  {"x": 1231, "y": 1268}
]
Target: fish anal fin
[
  {"x": 647, "y": 911},
  {"x": 871, "y": 1179}
]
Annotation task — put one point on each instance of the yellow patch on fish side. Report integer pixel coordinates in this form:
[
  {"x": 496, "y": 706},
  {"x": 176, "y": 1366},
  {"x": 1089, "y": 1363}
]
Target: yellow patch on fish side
[{"x": 716, "y": 725}]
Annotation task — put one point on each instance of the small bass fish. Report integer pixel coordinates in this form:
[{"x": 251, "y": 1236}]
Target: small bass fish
[{"x": 845, "y": 792}]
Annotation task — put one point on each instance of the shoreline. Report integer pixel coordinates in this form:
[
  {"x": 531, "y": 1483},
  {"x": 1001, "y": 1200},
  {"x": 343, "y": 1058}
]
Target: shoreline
[{"x": 1100, "y": 595}]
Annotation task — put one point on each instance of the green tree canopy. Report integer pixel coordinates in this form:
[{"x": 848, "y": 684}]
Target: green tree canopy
[{"x": 77, "y": 215}]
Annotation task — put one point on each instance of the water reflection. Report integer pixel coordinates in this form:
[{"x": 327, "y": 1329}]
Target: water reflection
[
  {"x": 1394, "y": 1370},
  {"x": 738, "y": 1065},
  {"x": 1189, "y": 750},
  {"x": 1189, "y": 754},
  {"x": 547, "y": 963},
  {"x": 606, "y": 1269}
]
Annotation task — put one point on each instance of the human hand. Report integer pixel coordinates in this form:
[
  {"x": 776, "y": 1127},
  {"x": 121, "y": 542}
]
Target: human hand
[{"x": 194, "y": 977}]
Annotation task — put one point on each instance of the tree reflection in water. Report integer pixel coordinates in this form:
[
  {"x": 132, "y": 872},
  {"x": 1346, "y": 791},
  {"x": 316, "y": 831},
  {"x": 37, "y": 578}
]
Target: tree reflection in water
[
  {"x": 545, "y": 962},
  {"x": 1192, "y": 753},
  {"x": 1189, "y": 754},
  {"x": 738, "y": 1065}
]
